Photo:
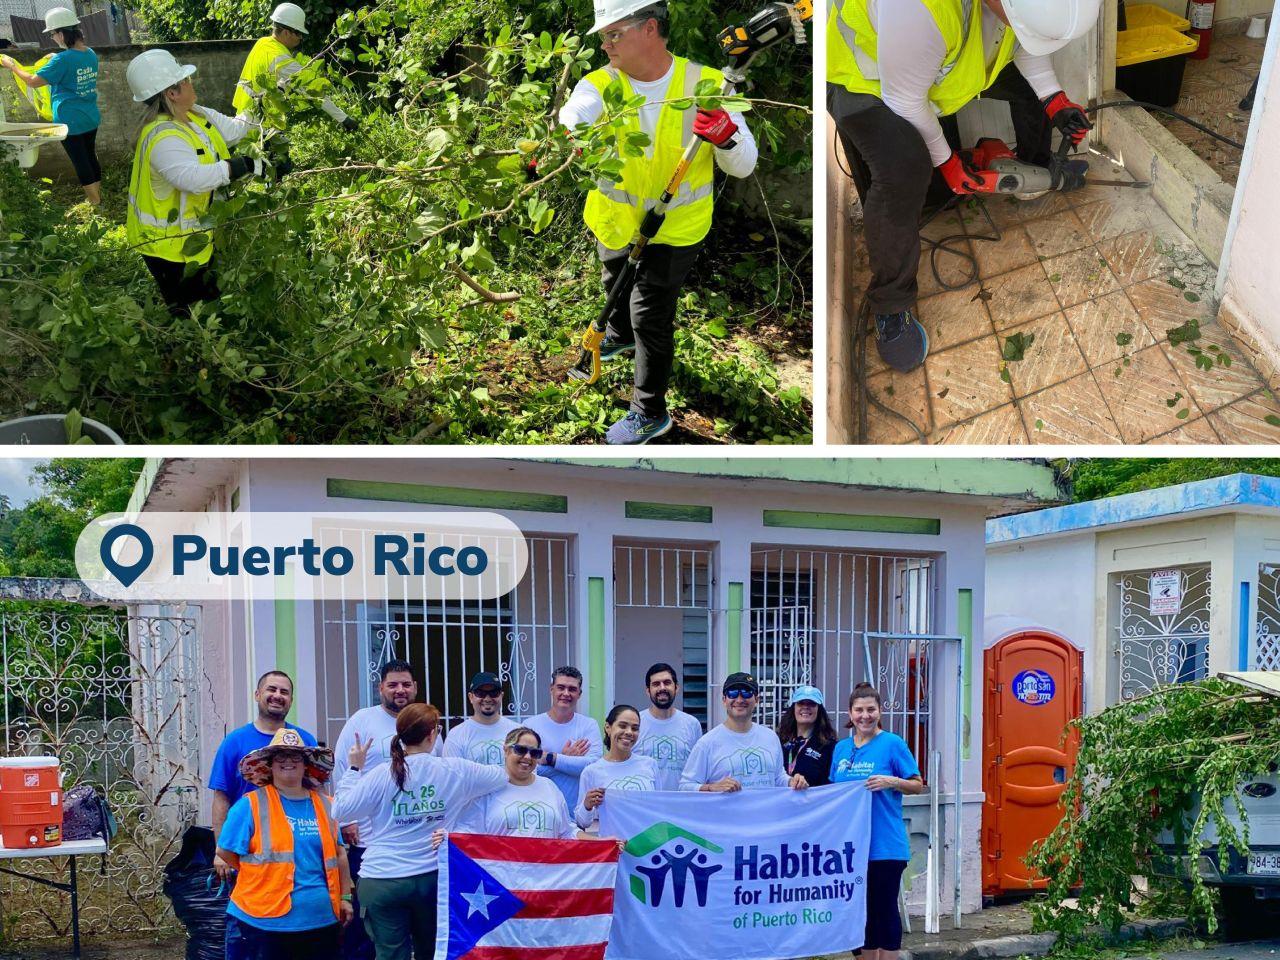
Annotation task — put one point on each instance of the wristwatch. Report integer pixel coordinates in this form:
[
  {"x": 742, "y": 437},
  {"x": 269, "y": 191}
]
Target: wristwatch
[{"x": 551, "y": 759}]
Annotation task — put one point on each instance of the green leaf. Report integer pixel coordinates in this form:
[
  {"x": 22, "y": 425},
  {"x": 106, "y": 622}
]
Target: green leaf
[
  {"x": 1192, "y": 297},
  {"x": 481, "y": 394},
  {"x": 1124, "y": 339},
  {"x": 1272, "y": 419},
  {"x": 1015, "y": 345},
  {"x": 74, "y": 425},
  {"x": 477, "y": 257},
  {"x": 195, "y": 243},
  {"x": 1184, "y": 413},
  {"x": 1175, "y": 282}
]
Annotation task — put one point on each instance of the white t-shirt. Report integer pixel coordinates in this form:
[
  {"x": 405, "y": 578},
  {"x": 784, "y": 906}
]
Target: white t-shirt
[
  {"x": 668, "y": 742},
  {"x": 638, "y": 773},
  {"x": 554, "y": 736},
  {"x": 397, "y": 838},
  {"x": 479, "y": 742},
  {"x": 535, "y": 810},
  {"x": 585, "y": 106},
  {"x": 753, "y": 758},
  {"x": 377, "y": 727}
]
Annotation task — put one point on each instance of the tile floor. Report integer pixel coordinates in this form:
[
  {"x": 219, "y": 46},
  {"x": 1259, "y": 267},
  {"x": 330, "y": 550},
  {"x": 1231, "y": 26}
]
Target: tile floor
[
  {"x": 1094, "y": 281},
  {"x": 1211, "y": 92}
]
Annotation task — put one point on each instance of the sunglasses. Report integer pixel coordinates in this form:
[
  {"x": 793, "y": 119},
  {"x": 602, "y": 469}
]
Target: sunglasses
[
  {"x": 520, "y": 750},
  {"x": 740, "y": 693},
  {"x": 487, "y": 693}
]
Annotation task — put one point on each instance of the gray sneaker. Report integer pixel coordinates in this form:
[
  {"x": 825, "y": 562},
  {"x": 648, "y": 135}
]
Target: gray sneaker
[{"x": 901, "y": 340}]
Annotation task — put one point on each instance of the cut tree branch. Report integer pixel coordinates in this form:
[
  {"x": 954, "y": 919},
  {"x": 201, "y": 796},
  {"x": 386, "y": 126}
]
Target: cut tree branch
[{"x": 484, "y": 292}]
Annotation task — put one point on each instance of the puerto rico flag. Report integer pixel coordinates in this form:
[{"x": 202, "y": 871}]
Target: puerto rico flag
[{"x": 522, "y": 898}]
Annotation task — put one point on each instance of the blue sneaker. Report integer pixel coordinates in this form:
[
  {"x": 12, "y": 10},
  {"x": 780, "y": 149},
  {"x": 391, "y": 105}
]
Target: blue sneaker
[
  {"x": 637, "y": 428},
  {"x": 901, "y": 340},
  {"x": 610, "y": 348}
]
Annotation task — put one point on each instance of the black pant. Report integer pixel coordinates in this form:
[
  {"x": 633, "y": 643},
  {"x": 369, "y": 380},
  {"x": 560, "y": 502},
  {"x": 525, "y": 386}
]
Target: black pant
[
  {"x": 81, "y": 150},
  {"x": 646, "y": 315},
  {"x": 884, "y": 923},
  {"x": 259, "y": 944},
  {"x": 356, "y": 944},
  {"x": 179, "y": 290},
  {"x": 893, "y": 173}
]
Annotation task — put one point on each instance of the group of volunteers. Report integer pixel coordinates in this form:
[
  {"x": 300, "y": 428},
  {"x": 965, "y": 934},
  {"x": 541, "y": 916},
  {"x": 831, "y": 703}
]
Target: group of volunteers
[
  {"x": 183, "y": 150},
  {"x": 304, "y": 865},
  {"x": 183, "y": 157}
]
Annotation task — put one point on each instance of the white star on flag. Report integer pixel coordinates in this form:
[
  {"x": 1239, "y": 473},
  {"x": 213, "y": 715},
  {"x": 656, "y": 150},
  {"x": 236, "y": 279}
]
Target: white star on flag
[{"x": 479, "y": 901}]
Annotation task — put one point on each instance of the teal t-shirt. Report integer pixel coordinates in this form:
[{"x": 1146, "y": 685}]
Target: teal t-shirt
[
  {"x": 310, "y": 907},
  {"x": 886, "y": 754},
  {"x": 72, "y": 76}
]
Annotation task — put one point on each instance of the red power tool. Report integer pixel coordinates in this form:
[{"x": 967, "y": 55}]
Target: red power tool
[{"x": 1003, "y": 172}]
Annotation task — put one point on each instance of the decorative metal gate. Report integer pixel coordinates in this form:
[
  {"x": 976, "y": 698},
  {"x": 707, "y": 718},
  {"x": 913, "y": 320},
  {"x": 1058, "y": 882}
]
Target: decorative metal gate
[
  {"x": 1153, "y": 647},
  {"x": 1267, "y": 650},
  {"x": 678, "y": 579},
  {"x": 521, "y": 636},
  {"x": 114, "y": 695},
  {"x": 810, "y": 612}
]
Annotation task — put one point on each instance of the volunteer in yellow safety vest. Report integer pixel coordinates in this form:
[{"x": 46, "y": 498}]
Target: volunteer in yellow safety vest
[
  {"x": 181, "y": 158},
  {"x": 894, "y": 67},
  {"x": 292, "y": 892},
  {"x": 272, "y": 63},
  {"x": 634, "y": 35},
  {"x": 64, "y": 88}
]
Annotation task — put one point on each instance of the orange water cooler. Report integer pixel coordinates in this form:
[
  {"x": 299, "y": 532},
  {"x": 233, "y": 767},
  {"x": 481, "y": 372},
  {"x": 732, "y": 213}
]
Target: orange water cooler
[{"x": 30, "y": 802}]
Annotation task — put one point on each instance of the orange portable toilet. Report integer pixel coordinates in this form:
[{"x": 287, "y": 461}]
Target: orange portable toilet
[
  {"x": 30, "y": 802},
  {"x": 1033, "y": 689}
]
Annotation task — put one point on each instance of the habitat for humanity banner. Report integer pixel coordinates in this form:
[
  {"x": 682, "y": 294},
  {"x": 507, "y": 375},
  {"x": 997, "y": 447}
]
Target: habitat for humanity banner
[{"x": 755, "y": 875}]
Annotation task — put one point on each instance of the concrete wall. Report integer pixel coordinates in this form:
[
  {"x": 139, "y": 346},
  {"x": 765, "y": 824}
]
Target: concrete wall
[
  {"x": 1248, "y": 281},
  {"x": 1223, "y": 10},
  {"x": 218, "y": 64}
]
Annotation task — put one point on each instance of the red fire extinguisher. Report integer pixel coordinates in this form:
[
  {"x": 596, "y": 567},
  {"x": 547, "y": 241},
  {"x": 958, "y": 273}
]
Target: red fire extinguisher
[{"x": 1200, "y": 13}]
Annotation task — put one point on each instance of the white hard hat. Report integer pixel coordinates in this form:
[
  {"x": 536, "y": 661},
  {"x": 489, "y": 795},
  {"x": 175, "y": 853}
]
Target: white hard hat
[
  {"x": 611, "y": 11},
  {"x": 59, "y": 18},
  {"x": 154, "y": 71},
  {"x": 1044, "y": 26},
  {"x": 290, "y": 15}
]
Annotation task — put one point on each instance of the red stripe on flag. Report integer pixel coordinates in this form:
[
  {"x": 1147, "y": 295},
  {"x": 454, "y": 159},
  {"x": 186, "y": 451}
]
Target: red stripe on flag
[
  {"x": 534, "y": 849},
  {"x": 564, "y": 903},
  {"x": 591, "y": 951}
]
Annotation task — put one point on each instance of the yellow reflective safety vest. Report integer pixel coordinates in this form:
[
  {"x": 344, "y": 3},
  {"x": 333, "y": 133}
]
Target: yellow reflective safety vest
[
  {"x": 614, "y": 210},
  {"x": 40, "y": 98},
  {"x": 269, "y": 62},
  {"x": 852, "y": 58},
  {"x": 162, "y": 226}
]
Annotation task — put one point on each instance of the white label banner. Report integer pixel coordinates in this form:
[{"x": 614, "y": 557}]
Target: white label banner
[
  {"x": 1165, "y": 592},
  {"x": 757, "y": 875}
]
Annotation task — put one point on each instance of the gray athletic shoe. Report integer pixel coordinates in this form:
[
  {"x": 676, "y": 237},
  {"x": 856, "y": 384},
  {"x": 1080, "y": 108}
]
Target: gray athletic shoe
[{"x": 901, "y": 340}]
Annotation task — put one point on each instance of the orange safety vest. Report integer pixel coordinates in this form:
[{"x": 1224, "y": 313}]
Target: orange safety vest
[{"x": 264, "y": 884}]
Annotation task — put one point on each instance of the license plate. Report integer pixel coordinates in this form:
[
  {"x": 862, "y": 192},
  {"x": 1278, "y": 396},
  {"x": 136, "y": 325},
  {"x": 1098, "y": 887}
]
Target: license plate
[{"x": 1264, "y": 864}]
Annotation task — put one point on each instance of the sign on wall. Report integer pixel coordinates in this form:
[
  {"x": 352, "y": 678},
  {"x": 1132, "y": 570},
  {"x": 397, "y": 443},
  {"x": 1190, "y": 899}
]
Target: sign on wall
[{"x": 1165, "y": 593}]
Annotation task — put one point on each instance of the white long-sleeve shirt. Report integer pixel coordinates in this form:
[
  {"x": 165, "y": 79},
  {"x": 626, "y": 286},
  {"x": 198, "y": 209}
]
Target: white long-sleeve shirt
[
  {"x": 377, "y": 727},
  {"x": 554, "y": 736},
  {"x": 585, "y": 106},
  {"x": 176, "y": 166},
  {"x": 753, "y": 758},
  {"x": 910, "y": 52}
]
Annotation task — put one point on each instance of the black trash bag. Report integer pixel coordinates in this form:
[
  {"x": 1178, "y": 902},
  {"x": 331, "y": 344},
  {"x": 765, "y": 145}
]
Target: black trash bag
[{"x": 199, "y": 899}]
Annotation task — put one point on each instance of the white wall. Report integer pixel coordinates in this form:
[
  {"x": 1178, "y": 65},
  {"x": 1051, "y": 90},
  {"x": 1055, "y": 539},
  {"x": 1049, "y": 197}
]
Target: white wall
[{"x": 1222, "y": 10}]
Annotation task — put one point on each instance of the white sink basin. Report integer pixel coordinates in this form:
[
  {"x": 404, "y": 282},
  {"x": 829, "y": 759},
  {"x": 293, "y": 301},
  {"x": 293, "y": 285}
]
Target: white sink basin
[{"x": 22, "y": 141}]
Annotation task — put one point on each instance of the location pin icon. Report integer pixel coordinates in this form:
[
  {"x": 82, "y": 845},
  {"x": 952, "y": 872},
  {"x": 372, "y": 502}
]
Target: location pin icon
[{"x": 126, "y": 573}]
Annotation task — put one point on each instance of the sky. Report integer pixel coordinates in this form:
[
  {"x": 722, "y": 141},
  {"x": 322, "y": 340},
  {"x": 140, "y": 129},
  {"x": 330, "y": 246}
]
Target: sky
[{"x": 14, "y": 476}]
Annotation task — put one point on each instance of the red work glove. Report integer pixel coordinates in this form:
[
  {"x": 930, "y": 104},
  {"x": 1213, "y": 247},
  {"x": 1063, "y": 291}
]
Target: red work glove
[
  {"x": 963, "y": 177},
  {"x": 715, "y": 127},
  {"x": 1068, "y": 117}
]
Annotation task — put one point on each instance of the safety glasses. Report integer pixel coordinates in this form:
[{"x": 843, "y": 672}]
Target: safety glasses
[
  {"x": 611, "y": 37},
  {"x": 520, "y": 750}
]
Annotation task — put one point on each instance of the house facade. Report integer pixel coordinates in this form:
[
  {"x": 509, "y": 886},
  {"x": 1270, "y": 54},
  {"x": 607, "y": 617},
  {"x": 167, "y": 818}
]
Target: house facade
[{"x": 818, "y": 571}]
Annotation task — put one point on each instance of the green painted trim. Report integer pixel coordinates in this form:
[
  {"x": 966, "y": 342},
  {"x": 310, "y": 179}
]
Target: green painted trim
[
  {"x": 235, "y": 499},
  {"x": 286, "y": 624},
  {"x": 595, "y": 646},
  {"x": 964, "y": 620},
  {"x": 687, "y": 512},
  {"x": 446, "y": 496},
  {"x": 865, "y": 523},
  {"x": 734, "y": 623}
]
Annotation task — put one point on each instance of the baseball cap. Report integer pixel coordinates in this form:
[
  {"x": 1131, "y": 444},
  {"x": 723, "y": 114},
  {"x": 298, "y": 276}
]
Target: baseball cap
[
  {"x": 806, "y": 692},
  {"x": 741, "y": 679},
  {"x": 484, "y": 679}
]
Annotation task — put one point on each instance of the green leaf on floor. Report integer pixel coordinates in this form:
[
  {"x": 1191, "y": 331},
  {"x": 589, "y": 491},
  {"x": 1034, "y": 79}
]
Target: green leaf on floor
[
  {"x": 888, "y": 391},
  {"x": 1173, "y": 401},
  {"x": 1004, "y": 374},
  {"x": 1039, "y": 424},
  {"x": 1184, "y": 413},
  {"x": 1127, "y": 361},
  {"x": 1055, "y": 278},
  {"x": 1192, "y": 297},
  {"x": 1187, "y": 333},
  {"x": 1272, "y": 419},
  {"x": 1175, "y": 282},
  {"x": 1124, "y": 339},
  {"x": 1015, "y": 345},
  {"x": 1224, "y": 360},
  {"x": 1204, "y": 362}
]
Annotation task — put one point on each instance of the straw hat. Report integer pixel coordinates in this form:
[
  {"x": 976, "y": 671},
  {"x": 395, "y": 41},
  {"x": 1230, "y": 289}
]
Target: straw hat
[{"x": 256, "y": 766}]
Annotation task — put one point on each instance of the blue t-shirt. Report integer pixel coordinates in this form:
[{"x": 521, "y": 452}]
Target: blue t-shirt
[
  {"x": 886, "y": 754},
  {"x": 310, "y": 907},
  {"x": 72, "y": 76},
  {"x": 235, "y": 746}
]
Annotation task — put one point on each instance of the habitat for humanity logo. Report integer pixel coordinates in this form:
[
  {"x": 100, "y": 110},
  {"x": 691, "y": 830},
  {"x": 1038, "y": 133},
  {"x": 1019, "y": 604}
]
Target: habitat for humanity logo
[
  {"x": 666, "y": 852},
  {"x": 420, "y": 556}
]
